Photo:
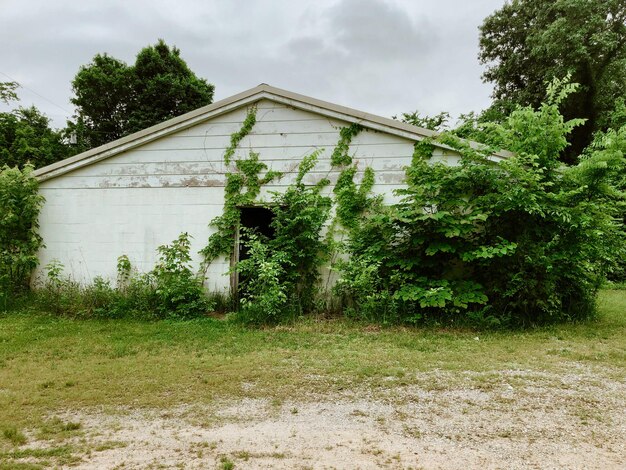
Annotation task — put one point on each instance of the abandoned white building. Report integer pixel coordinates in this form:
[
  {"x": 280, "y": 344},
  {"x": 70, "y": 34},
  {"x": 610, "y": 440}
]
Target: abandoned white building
[{"x": 141, "y": 191}]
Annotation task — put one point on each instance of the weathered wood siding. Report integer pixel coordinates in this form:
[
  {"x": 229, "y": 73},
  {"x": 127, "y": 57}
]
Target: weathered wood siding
[{"x": 133, "y": 202}]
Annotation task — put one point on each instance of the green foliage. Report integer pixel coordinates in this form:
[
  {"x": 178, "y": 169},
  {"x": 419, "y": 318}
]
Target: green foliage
[
  {"x": 164, "y": 87},
  {"x": 114, "y": 99},
  {"x": 226, "y": 463},
  {"x": 14, "y": 436},
  {"x": 287, "y": 266},
  {"x": 61, "y": 295},
  {"x": 522, "y": 242},
  {"x": 179, "y": 291},
  {"x": 264, "y": 297},
  {"x": 438, "y": 122},
  {"x": 300, "y": 214},
  {"x": 365, "y": 296},
  {"x": 26, "y": 138},
  {"x": 527, "y": 43},
  {"x": 20, "y": 203},
  {"x": 170, "y": 290},
  {"x": 281, "y": 277},
  {"x": 351, "y": 200},
  {"x": 617, "y": 117},
  {"x": 340, "y": 154},
  {"x": 235, "y": 138},
  {"x": 124, "y": 271},
  {"x": 471, "y": 126},
  {"x": 54, "y": 272},
  {"x": 102, "y": 96},
  {"x": 602, "y": 171},
  {"x": 7, "y": 92},
  {"x": 242, "y": 188}
]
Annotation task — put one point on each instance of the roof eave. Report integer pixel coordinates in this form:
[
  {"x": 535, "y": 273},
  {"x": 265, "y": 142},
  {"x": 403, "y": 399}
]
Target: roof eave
[{"x": 228, "y": 104}]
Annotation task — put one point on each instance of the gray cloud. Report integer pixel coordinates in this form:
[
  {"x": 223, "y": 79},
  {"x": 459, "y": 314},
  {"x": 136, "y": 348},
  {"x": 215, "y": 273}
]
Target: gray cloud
[
  {"x": 375, "y": 30},
  {"x": 381, "y": 56}
]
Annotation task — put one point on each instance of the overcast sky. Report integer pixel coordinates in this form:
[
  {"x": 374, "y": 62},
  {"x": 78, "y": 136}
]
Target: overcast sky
[{"x": 379, "y": 56}]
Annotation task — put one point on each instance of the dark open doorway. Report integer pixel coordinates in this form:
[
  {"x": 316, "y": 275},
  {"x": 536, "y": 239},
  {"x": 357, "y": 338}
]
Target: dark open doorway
[
  {"x": 258, "y": 219},
  {"x": 254, "y": 218}
]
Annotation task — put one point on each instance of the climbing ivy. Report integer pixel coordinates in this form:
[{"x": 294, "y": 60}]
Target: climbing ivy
[
  {"x": 236, "y": 137},
  {"x": 340, "y": 154},
  {"x": 422, "y": 151},
  {"x": 243, "y": 186},
  {"x": 301, "y": 213},
  {"x": 282, "y": 273},
  {"x": 351, "y": 200}
]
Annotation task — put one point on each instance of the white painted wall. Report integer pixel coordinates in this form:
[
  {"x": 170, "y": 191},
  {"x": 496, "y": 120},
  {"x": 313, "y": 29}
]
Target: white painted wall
[{"x": 135, "y": 201}]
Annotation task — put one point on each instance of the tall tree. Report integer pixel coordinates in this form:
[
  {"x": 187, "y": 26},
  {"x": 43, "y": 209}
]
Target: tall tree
[
  {"x": 527, "y": 43},
  {"x": 165, "y": 87},
  {"x": 114, "y": 99},
  {"x": 26, "y": 136},
  {"x": 103, "y": 92}
]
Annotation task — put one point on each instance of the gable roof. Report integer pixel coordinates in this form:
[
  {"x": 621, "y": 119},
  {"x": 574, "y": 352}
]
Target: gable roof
[{"x": 263, "y": 91}]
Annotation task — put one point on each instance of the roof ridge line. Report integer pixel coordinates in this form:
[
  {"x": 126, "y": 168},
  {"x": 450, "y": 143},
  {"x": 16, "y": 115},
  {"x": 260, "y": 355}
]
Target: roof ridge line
[{"x": 225, "y": 105}]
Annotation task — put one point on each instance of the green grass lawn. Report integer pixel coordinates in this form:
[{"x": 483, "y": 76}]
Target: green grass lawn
[{"x": 50, "y": 364}]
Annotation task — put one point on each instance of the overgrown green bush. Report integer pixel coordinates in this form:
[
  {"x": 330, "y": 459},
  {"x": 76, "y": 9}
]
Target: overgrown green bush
[
  {"x": 524, "y": 241},
  {"x": 179, "y": 291},
  {"x": 264, "y": 293},
  {"x": 20, "y": 204},
  {"x": 281, "y": 276},
  {"x": 607, "y": 149}
]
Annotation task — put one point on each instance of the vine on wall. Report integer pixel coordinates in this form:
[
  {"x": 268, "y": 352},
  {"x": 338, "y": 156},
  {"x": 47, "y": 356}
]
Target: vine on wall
[
  {"x": 237, "y": 137},
  {"x": 340, "y": 155},
  {"x": 300, "y": 213},
  {"x": 281, "y": 273},
  {"x": 351, "y": 199},
  {"x": 243, "y": 186}
]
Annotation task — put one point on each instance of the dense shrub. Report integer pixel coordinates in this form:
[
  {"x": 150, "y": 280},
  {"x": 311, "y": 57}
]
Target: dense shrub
[
  {"x": 20, "y": 203},
  {"x": 607, "y": 148},
  {"x": 524, "y": 241},
  {"x": 264, "y": 297},
  {"x": 281, "y": 276},
  {"x": 179, "y": 291}
]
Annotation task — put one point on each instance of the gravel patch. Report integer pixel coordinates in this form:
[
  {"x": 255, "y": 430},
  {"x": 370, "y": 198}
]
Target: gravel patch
[
  {"x": 518, "y": 420},
  {"x": 513, "y": 419}
]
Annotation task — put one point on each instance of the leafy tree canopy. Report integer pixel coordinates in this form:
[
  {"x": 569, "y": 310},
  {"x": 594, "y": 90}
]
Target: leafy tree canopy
[
  {"x": 527, "y": 43},
  {"x": 7, "y": 91},
  {"x": 438, "y": 122},
  {"x": 26, "y": 136},
  {"x": 114, "y": 99}
]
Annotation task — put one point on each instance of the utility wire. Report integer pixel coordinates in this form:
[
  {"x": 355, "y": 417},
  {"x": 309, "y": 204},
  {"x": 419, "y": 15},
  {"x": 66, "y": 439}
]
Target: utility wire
[{"x": 68, "y": 113}]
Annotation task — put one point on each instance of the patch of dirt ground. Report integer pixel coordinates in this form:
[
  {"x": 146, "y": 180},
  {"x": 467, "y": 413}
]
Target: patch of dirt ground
[{"x": 514, "y": 420}]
